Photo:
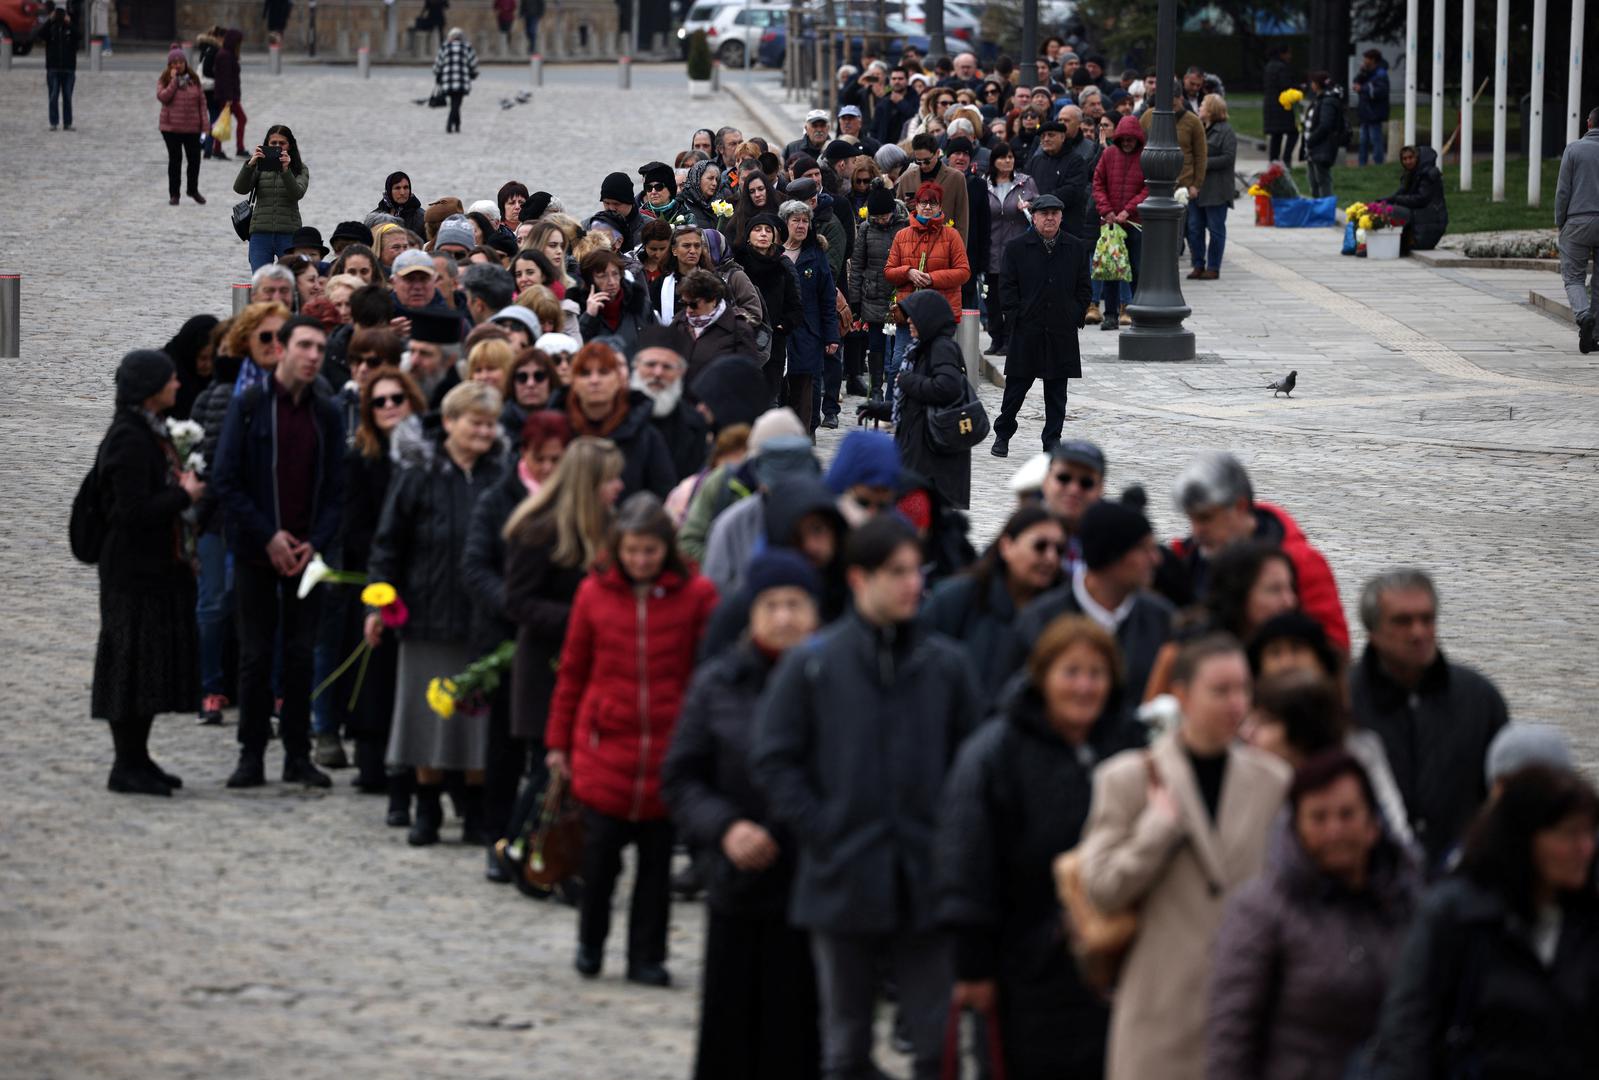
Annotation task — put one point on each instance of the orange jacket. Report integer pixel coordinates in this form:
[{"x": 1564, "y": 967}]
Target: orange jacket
[{"x": 935, "y": 248}]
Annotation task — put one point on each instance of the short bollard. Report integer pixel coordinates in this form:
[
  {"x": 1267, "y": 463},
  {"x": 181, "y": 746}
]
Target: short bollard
[
  {"x": 363, "y": 61},
  {"x": 624, "y": 73},
  {"x": 536, "y": 68},
  {"x": 275, "y": 59},
  {"x": 96, "y": 48},
  {"x": 5, "y": 53},
  {"x": 966, "y": 336},
  {"x": 10, "y": 315},
  {"x": 241, "y": 296},
  {"x": 716, "y": 75}
]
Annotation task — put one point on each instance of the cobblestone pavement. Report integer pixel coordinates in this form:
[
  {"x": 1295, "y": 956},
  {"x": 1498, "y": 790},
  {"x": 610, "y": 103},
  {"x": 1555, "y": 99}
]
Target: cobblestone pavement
[{"x": 1439, "y": 421}]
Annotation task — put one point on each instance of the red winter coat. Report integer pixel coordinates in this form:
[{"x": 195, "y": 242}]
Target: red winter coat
[
  {"x": 1119, "y": 176},
  {"x": 624, "y": 668},
  {"x": 182, "y": 107},
  {"x": 945, "y": 254}
]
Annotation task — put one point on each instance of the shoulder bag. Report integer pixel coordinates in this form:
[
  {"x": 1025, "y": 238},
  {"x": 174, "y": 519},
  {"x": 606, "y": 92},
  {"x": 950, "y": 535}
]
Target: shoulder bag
[
  {"x": 955, "y": 429},
  {"x": 243, "y": 213}
]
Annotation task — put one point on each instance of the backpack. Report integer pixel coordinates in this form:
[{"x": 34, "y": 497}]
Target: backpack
[{"x": 87, "y": 525}]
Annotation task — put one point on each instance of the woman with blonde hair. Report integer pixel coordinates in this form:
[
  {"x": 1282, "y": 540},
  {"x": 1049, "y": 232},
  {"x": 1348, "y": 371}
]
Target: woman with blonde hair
[
  {"x": 337, "y": 289},
  {"x": 391, "y": 239},
  {"x": 1208, "y": 213},
  {"x": 490, "y": 362}
]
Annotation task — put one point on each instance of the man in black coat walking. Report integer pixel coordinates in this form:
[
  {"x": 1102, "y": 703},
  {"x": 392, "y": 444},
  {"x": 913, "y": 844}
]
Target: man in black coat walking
[{"x": 1044, "y": 289}]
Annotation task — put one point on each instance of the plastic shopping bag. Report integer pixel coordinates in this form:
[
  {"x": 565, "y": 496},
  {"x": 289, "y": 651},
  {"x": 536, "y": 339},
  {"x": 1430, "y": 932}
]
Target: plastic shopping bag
[
  {"x": 222, "y": 130},
  {"x": 1110, "y": 255}
]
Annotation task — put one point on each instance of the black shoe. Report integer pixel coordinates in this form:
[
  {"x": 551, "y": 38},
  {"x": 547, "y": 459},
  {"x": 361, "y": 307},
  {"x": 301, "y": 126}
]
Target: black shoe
[
  {"x": 648, "y": 975},
  {"x": 169, "y": 779},
  {"x": 218, "y": 155},
  {"x": 689, "y": 883},
  {"x": 856, "y": 388},
  {"x": 249, "y": 773},
  {"x": 134, "y": 781},
  {"x": 400, "y": 787},
  {"x": 587, "y": 962},
  {"x": 1585, "y": 334},
  {"x": 830, "y": 421},
  {"x": 494, "y": 870},
  {"x": 1001, "y": 447},
  {"x": 299, "y": 770},
  {"x": 429, "y": 816},
  {"x": 399, "y": 817}
]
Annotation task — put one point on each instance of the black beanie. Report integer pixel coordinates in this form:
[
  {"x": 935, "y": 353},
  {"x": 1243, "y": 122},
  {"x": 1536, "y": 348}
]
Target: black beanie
[
  {"x": 660, "y": 172},
  {"x": 142, "y": 373},
  {"x": 1108, "y": 531},
  {"x": 879, "y": 201},
  {"x": 618, "y": 186},
  {"x": 777, "y": 568},
  {"x": 536, "y": 204},
  {"x": 800, "y": 164},
  {"x": 778, "y": 226}
]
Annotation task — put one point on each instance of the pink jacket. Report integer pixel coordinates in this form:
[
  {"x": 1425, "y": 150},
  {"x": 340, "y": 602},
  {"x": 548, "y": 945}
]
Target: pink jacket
[
  {"x": 1119, "y": 177},
  {"x": 182, "y": 107}
]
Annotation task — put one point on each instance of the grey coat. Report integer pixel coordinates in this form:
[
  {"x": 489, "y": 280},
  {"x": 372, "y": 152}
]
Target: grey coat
[
  {"x": 868, "y": 291},
  {"x": 1221, "y": 150},
  {"x": 1577, "y": 192},
  {"x": 1006, "y": 218}
]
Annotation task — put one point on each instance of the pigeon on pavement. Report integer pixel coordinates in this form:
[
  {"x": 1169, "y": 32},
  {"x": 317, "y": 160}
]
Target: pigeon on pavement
[{"x": 1284, "y": 386}]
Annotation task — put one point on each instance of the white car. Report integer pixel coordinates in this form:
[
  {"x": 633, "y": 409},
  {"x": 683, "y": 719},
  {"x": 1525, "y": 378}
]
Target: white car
[
  {"x": 959, "y": 22},
  {"x": 732, "y": 27}
]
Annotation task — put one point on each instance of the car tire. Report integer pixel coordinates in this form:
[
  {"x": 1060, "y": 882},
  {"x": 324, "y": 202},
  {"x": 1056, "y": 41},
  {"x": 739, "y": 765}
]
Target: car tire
[{"x": 731, "y": 54}]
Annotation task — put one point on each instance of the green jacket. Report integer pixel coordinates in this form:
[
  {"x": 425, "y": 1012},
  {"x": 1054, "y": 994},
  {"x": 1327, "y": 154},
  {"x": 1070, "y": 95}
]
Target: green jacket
[{"x": 277, "y": 197}]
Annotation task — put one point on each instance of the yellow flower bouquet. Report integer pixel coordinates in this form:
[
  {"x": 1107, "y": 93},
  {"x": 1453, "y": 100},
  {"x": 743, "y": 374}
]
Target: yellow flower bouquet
[
  {"x": 469, "y": 691},
  {"x": 1290, "y": 97}
]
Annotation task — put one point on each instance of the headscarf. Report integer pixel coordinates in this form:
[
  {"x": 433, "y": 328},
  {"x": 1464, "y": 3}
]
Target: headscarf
[
  {"x": 184, "y": 349},
  {"x": 388, "y": 187},
  {"x": 690, "y": 191}
]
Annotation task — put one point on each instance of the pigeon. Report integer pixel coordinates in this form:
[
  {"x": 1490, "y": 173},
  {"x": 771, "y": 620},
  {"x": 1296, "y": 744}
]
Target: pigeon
[
  {"x": 524, "y": 96},
  {"x": 507, "y": 103},
  {"x": 1284, "y": 386}
]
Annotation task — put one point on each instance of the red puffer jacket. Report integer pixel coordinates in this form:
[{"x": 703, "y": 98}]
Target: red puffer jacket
[
  {"x": 624, "y": 668},
  {"x": 1119, "y": 176},
  {"x": 182, "y": 107}
]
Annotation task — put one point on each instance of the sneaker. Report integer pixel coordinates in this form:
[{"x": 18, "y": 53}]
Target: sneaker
[
  {"x": 211, "y": 707},
  {"x": 299, "y": 770},
  {"x": 830, "y": 421},
  {"x": 1001, "y": 447},
  {"x": 250, "y": 772},
  {"x": 330, "y": 752},
  {"x": 1126, "y": 319},
  {"x": 1092, "y": 316}
]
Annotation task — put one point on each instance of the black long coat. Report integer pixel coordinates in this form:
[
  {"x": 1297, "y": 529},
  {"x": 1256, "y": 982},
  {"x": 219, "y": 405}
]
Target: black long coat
[
  {"x": 933, "y": 376},
  {"x": 538, "y": 599},
  {"x": 1045, "y": 295},
  {"x": 1276, "y": 119}
]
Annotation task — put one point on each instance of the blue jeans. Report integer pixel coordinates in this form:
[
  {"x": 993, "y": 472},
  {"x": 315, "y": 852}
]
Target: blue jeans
[
  {"x": 265, "y": 247},
  {"x": 1372, "y": 142},
  {"x": 824, "y": 396},
  {"x": 1200, "y": 220},
  {"x": 1125, "y": 292},
  {"x": 213, "y": 604},
  {"x": 59, "y": 85}
]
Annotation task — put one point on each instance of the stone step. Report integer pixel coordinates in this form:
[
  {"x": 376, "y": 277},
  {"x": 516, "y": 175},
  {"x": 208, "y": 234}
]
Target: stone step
[{"x": 1552, "y": 302}]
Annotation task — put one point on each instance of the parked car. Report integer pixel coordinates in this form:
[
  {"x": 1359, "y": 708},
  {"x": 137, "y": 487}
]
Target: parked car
[
  {"x": 731, "y": 27},
  {"x": 774, "y": 41},
  {"x": 20, "y": 18}
]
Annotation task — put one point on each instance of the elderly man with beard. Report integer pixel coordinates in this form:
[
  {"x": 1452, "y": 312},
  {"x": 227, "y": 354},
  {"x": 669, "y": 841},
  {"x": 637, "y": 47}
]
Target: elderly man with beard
[{"x": 658, "y": 373}]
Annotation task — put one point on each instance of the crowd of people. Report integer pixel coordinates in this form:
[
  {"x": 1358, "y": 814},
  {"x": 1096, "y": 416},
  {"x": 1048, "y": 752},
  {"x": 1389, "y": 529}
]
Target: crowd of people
[{"x": 1136, "y": 806}]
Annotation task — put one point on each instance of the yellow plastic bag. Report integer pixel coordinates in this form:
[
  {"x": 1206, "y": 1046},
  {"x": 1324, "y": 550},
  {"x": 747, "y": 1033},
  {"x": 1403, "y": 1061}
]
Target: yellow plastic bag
[{"x": 222, "y": 130}]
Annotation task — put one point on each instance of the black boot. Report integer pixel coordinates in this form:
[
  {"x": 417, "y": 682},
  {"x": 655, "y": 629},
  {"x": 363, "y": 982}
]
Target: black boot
[
  {"x": 250, "y": 772},
  {"x": 473, "y": 830},
  {"x": 429, "y": 816},
  {"x": 401, "y": 785},
  {"x": 370, "y": 776}
]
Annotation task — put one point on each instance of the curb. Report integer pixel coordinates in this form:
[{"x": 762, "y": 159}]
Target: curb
[
  {"x": 1447, "y": 261},
  {"x": 1551, "y": 305}
]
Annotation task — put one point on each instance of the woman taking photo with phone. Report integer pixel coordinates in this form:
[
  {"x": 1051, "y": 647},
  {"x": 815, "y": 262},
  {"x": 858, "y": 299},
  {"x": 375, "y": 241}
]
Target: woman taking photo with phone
[{"x": 278, "y": 179}]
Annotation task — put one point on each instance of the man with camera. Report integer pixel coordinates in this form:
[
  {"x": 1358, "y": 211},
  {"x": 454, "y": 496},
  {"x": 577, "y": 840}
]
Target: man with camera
[{"x": 60, "y": 37}]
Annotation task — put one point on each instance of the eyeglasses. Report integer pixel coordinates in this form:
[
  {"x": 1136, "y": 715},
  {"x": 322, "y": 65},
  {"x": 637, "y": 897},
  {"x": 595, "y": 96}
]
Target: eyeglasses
[
  {"x": 363, "y": 358},
  {"x": 537, "y": 375},
  {"x": 1041, "y": 547},
  {"x": 654, "y": 185},
  {"x": 266, "y": 337},
  {"x": 924, "y": 162},
  {"x": 388, "y": 401},
  {"x": 1066, "y": 479},
  {"x": 991, "y": 91}
]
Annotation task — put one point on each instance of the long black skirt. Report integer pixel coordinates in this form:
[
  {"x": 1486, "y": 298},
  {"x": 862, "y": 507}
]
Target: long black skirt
[
  {"x": 147, "y": 659},
  {"x": 758, "y": 1014}
]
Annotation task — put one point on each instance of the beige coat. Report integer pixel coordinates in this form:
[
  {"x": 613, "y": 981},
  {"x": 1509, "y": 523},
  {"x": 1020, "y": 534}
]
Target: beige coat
[
  {"x": 1178, "y": 876},
  {"x": 1191, "y": 137}
]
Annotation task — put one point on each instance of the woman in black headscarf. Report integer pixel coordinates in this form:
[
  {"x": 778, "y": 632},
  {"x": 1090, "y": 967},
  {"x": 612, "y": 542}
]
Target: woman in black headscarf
[
  {"x": 400, "y": 201},
  {"x": 190, "y": 352},
  {"x": 146, "y": 660}
]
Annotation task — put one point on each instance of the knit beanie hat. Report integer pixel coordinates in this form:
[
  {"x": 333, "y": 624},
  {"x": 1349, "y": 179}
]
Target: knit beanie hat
[
  {"x": 864, "y": 457},
  {"x": 660, "y": 172},
  {"x": 777, "y": 568},
  {"x": 890, "y": 157},
  {"x": 618, "y": 186},
  {"x": 142, "y": 373},
  {"x": 1110, "y": 530},
  {"x": 801, "y": 164},
  {"x": 177, "y": 54},
  {"x": 455, "y": 230},
  {"x": 879, "y": 200},
  {"x": 1519, "y": 745},
  {"x": 770, "y": 425},
  {"x": 772, "y": 221},
  {"x": 536, "y": 204}
]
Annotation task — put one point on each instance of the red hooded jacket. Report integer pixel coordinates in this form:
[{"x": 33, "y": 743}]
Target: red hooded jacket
[
  {"x": 1119, "y": 176},
  {"x": 624, "y": 668}
]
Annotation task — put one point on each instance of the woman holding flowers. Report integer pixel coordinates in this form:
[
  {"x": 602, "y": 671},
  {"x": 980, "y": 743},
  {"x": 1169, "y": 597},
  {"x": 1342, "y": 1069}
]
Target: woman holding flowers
[
  {"x": 630, "y": 645},
  {"x": 699, "y": 192},
  {"x": 418, "y": 548}
]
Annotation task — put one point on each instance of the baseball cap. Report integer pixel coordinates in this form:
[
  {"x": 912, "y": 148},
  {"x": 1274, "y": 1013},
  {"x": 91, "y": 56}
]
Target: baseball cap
[
  {"x": 850, "y": 110},
  {"x": 412, "y": 261},
  {"x": 518, "y": 314},
  {"x": 1080, "y": 451},
  {"x": 817, "y": 114}
]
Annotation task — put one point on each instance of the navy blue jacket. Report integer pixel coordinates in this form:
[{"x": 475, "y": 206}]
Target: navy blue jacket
[
  {"x": 244, "y": 475},
  {"x": 1373, "y": 94},
  {"x": 817, "y": 328}
]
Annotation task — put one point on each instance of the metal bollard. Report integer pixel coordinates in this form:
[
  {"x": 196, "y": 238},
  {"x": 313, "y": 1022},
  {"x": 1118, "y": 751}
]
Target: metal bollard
[
  {"x": 390, "y": 33},
  {"x": 536, "y": 67},
  {"x": 5, "y": 53},
  {"x": 241, "y": 296},
  {"x": 624, "y": 73},
  {"x": 966, "y": 336},
  {"x": 96, "y": 47},
  {"x": 275, "y": 59},
  {"x": 10, "y": 315},
  {"x": 363, "y": 61},
  {"x": 716, "y": 75}
]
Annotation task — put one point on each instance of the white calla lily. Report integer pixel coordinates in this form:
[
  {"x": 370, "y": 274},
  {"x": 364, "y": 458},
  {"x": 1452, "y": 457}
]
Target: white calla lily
[{"x": 315, "y": 573}]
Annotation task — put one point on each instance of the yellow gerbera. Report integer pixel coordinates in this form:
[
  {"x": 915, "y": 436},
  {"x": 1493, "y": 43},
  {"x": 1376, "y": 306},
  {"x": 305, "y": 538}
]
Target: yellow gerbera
[
  {"x": 1365, "y": 221},
  {"x": 441, "y": 697},
  {"x": 379, "y": 594}
]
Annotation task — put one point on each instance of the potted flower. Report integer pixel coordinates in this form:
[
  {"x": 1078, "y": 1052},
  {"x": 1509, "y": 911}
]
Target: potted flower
[
  {"x": 1378, "y": 230},
  {"x": 699, "y": 65}
]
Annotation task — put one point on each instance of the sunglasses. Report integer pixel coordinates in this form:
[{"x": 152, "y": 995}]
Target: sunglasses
[
  {"x": 364, "y": 358},
  {"x": 537, "y": 375},
  {"x": 1041, "y": 547},
  {"x": 1087, "y": 483},
  {"x": 863, "y": 181},
  {"x": 266, "y": 337},
  {"x": 654, "y": 185},
  {"x": 924, "y": 162},
  {"x": 388, "y": 401},
  {"x": 873, "y": 505},
  {"x": 695, "y": 305}
]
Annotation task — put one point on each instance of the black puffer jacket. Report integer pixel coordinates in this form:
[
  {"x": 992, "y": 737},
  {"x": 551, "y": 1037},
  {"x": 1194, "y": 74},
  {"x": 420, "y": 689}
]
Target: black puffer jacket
[
  {"x": 933, "y": 376},
  {"x": 869, "y": 292},
  {"x": 647, "y": 464},
  {"x": 410, "y": 213},
  {"x": 421, "y": 537},
  {"x": 483, "y": 565},
  {"x": 707, "y": 782},
  {"x": 1016, "y": 799},
  {"x": 774, "y": 280},
  {"x": 982, "y": 617},
  {"x": 209, "y": 410},
  {"x": 1421, "y": 191}
]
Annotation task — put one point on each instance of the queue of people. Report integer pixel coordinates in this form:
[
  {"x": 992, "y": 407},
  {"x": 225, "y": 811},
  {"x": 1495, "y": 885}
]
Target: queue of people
[{"x": 876, "y": 741}]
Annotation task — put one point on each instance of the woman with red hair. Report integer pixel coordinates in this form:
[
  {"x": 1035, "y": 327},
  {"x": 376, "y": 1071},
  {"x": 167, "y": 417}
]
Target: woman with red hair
[
  {"x": 599, "y": 403},
  {"x": 929, "y": 254}
]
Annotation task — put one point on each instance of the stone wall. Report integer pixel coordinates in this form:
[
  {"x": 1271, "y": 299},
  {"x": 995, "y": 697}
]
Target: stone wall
[{"x": 570, "y": 29}]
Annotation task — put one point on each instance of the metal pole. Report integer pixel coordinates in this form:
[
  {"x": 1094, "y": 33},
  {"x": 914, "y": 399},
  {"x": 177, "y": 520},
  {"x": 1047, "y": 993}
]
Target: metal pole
[
  {"x": 1574, "y": 74},
  {"x": 1540, "y": 21},
  {"x": 10, "y": 315},
  {"x": 391, "y": 43},
  {"x": 275, "y": 59},
  {"x": 241, "y": 296},
  {"x": 535, "y": 65},
  {"x": 1468, "y": 79},
  {"x": 933, "y": 10},
  {"x": 1411, "y": 17},
  {"x": 1501, "y": 95},
  {"x": 1438, "y": 75},
  {"x": 1027, "y": 68},
  {"x": 1158, "y": 309},
  {"x": 624, "y": 73},
  {"x": 96, "y": 48},
  {"x": 363, "y": 61},
  {"x": 5, "y": 53}
]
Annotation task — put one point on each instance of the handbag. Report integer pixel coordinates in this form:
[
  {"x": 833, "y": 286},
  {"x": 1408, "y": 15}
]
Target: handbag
[
  {"x": 951, "y": 1067},
  {"x": 1099, "y": 942},
  {"x": 87, "y": 525},
  {"x": 554, "y": 844},
  {"x": 243, "y": 213},
  {"x": 436, "y": 100},
  {"x": 955, "y": 429}
]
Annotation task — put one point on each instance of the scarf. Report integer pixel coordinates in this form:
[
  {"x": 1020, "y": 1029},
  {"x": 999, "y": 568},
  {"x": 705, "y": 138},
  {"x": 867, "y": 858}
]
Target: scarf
[
  {"x": 582, "y": 425},
  {"x": 526, "y": 477},
  {"x": 699, "y": 323},
  {"x": 668, "y": 299},
  {"x": 611, "y": 313}
]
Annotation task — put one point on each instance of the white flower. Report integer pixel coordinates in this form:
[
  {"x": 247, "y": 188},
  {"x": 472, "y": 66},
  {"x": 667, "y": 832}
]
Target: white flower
[
  {"x": 316, "y": 570},
  {"x": 185, "y": 434},
  {"x": 1360, "y": 236},
  {"x": 195, "y": 463},
  {"x": 1181, "y": 196}
]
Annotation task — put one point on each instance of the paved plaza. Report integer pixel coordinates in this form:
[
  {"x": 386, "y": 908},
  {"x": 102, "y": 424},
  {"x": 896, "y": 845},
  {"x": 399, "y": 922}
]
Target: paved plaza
[{"x": 1439, "y": 421}]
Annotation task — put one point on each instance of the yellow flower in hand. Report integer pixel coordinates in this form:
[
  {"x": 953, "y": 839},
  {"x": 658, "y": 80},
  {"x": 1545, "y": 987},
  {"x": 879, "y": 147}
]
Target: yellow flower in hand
[
  {"x": 861, "y": 213},
  {"x": 378, "y": 594},
  {"x": 441, "y": 697}
]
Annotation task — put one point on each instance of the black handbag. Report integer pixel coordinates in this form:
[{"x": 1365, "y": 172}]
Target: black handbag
[
  {"x": 437, "y": 100},
  {"x": 243, "y": 212},
  {"x": 955, "y": 429}
]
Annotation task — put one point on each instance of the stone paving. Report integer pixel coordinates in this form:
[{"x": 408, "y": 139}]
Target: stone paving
[{"x": 1439, "y": 421}]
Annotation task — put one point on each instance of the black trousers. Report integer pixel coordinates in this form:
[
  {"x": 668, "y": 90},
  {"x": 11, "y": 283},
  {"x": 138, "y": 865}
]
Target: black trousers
[
  {"x": 1016, "y": 388},
  {"x": 800, "y": 399},
  {"x": 773, "y": 369},
  {"x": 1283, "y": 141},
  {"x": 604, "y": 838},
  {"x": 454, "y": 122},
  {"x": 506, "y": 765},
  {"x": 758, "y": 1011},
  {"x": 998, "y": 328},
  {"x": 179, "y": 145},
  {"x": 264, "y": 600},
  {"x": 131, "y": 740}
]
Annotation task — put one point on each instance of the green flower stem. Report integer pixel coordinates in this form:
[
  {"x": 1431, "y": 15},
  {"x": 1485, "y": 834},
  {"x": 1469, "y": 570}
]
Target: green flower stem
[{"x": 342, "y": 668}]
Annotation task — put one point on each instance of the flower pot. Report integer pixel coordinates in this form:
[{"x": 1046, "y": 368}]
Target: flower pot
[
  {"x": 1263, "y": 214},
  {"x": 1382, "y": 243},
  {"x": 699, "y": 88}
]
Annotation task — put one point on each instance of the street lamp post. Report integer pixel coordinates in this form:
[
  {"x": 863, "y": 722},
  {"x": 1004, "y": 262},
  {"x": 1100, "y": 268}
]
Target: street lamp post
[{"x": 1158, "y": 308}]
